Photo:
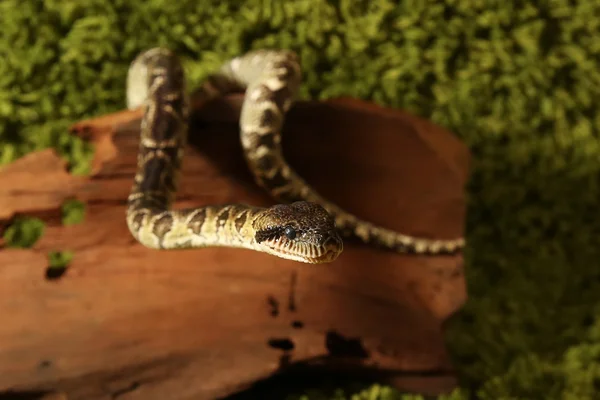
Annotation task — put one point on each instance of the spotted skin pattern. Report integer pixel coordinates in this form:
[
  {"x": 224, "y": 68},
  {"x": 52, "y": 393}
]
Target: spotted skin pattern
[{"x": 306, "y": 227}]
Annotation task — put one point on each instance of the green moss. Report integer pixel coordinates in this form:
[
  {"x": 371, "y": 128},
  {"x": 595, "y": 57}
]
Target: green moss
[
  {"x": 73, "y": 212},
  {"x": 516, "y": 80},
  {"x": 59, "y": 259},
  {"x": 24, "y": 232},
  {"x": 372, "y": 392}
]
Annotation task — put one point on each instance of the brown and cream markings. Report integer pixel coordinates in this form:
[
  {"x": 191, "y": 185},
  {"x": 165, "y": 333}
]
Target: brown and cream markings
[{"x": 306, "y": 228}]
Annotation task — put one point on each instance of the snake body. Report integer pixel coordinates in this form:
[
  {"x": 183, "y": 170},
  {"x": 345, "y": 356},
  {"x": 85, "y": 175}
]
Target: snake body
[{"x": 306, "y": 227}]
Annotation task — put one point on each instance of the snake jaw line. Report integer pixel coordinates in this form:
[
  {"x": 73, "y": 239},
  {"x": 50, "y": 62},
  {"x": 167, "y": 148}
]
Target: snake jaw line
[{"x": 324, "y": 255}]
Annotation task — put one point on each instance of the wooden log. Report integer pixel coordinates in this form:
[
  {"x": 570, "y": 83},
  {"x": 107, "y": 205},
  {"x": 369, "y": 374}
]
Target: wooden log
[{"x": 134, "y": 323}]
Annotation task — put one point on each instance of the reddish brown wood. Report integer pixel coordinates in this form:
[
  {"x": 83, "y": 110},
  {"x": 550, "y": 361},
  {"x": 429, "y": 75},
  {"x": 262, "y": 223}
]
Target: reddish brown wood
[{"x": 136, "y": 323}]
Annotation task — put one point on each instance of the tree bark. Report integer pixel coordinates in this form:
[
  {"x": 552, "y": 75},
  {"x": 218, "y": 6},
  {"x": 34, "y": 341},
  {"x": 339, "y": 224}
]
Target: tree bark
[{"x": 128, "y": 322}]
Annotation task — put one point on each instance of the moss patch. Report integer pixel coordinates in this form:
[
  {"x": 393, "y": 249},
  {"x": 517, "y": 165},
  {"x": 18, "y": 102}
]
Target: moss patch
[
  {"x": 517, "y": 81},
  {"x": 59, "y": 259},
  {"x": 24, "y": 232},
  {"x": 58, "y": 262},
  {"x": 73, "y": 212}
]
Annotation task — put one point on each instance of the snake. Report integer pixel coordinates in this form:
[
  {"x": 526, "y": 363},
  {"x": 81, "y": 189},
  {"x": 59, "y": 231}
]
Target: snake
[{"x": 303, "y": 226}]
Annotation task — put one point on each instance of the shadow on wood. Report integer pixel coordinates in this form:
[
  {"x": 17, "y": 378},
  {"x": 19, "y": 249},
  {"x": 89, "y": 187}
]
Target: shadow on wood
[{"x": 129, "y": 322}]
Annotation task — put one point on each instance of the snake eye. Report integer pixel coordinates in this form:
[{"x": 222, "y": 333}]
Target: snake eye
[{"x": 289, "y": 232}]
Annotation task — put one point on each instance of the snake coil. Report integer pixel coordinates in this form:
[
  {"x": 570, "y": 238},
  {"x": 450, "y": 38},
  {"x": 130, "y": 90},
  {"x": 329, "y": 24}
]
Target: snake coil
[{"x": 305, "y": 228}]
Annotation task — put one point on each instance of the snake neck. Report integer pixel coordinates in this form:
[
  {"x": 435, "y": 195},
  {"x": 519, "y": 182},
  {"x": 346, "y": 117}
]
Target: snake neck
[{"x": 228, "y": 226}]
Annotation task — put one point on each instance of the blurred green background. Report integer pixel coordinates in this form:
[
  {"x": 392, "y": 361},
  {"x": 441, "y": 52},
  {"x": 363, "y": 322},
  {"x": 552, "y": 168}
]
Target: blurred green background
[{"x": 518, "y": 81}]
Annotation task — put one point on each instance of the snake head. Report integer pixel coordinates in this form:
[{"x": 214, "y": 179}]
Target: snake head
[{"x": 300, "y": 231}]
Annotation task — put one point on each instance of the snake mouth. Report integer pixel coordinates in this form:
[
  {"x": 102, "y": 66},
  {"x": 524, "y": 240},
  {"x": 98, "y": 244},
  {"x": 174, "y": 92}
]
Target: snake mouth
[{"x": 322, "y": 254}]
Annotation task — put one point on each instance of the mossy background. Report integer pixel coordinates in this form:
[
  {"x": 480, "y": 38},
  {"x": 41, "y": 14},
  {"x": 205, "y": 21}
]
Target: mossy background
[{"x": 518, "y": 81}]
